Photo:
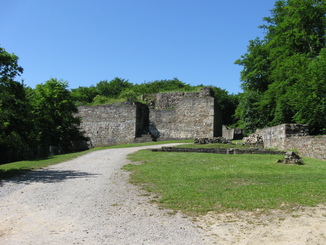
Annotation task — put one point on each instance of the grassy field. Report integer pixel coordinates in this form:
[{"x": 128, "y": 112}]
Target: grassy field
[
  {"x": 198, "y": 182},
  {"x": 15, "y": 168}
]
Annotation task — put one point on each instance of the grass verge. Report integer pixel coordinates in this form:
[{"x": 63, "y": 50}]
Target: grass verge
[
  {"x": 198, "y": 183},
  {"x": 15, "y": 168}
]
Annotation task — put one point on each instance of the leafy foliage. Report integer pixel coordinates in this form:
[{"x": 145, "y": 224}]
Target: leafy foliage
[
  {"x": 16, "y": 128},
  {"x": 158, "y": 86},
  {"x": 9, "y": 67},
  {"x": 83, "y": 95},
  {"x": 53, "y": 108},
  {"x": 281, "y": 70},
  {"x": 113, "y": 88},
  {"x": 29, "y": 118},
  {"x": 227, "y": 103}
]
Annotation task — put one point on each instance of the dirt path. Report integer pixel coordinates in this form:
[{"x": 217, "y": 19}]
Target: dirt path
[
  {"x": 88, "y": 200},
  {"x": 302, "y": 226}
]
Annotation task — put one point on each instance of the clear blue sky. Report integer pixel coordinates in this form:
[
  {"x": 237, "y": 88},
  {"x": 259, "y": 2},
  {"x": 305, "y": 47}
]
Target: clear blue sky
[{"x": 87, "y": 41}]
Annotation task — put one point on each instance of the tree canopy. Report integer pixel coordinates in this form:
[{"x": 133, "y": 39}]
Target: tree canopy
[
  {"x": 53, "y": 111},
  {"x": 30, "y": 118},
  {"x": 14, "y": 107},
  {"x": 284, "y": 69}
]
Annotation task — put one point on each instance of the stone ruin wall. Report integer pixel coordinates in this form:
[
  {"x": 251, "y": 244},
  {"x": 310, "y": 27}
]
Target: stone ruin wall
[
  {"x": 180, "y": 115},
  {"x": 112, "y": 124},
  {"x": 273, "y": 137},
  {"x": 287, "y": 137},
  {"x": 174, "y": 115},
  {"x": 191, "y": 118},
  {"x": 232, "y": 134},
  {"x": 308, "y": 146}
]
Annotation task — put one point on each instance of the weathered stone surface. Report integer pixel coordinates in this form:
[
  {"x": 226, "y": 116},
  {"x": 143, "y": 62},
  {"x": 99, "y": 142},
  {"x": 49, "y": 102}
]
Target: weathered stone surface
[
  {"x": 181, "y": 115},
  {"x": 287, "y": 137},
  {"x": 212, "y": 141},
  {"x": 163, "y": 101},
  {"x": 176, "y": 115},
  {"x": 232, "y": 134},
  {"x": 254, "y": 139},
  {"x": 273, "y": 135},
  {"x": 291, "y": 158},
  {"x": 231, "y": 151},
  {"x": 114, "y": 123}
]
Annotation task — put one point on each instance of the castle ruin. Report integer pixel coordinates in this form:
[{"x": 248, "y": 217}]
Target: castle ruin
[{"x": 164, "y": 116}]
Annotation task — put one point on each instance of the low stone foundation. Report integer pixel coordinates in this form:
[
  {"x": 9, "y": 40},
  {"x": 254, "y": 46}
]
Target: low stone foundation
[{"x": 230, "y": 151}]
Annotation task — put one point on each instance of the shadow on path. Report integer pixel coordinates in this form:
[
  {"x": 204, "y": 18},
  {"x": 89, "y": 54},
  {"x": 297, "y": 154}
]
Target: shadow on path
[{"x": 44, "y": 176}]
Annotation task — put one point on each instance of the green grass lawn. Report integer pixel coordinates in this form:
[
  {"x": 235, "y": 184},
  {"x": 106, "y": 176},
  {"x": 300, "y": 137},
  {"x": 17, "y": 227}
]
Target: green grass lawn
[
  {"x": 198, "y": 182},
  {"x": 15, "y": 168}
]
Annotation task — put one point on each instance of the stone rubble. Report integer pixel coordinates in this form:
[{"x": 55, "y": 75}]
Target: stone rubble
[
  {"x": 254, "y": 139},
  {"x": 212, "y": 141},
  {"x": 291, "y": 158}
]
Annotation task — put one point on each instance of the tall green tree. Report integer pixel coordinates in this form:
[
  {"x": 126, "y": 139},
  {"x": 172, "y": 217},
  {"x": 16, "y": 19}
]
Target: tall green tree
[
  {"x": 53, "y": 110},
  {"x": 274, "y": 66},
  {"x": 16, "y": 127},
  {"x": 308, "y": 97}
]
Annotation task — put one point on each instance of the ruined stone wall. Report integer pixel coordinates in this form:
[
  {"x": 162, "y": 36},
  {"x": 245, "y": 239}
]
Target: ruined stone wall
[
  {"x": 191, "y": 118},
  {"x": 111, "y": 124},
  {"x": 179, "y": 115},
  {"x": 232, "y": 134},
  {"x": 294, "y": 136},
  {"x": 175, "y": 115},
  {"x": 274, "y": 136},
  {"x": 308, "y": 146},
  {"x": 230, "y": 151},
  {"x": 162, "y": 101}
]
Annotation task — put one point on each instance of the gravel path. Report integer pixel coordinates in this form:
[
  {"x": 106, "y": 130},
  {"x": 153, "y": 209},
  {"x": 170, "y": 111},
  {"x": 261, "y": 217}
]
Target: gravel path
[{"x": 87, "y": 200}]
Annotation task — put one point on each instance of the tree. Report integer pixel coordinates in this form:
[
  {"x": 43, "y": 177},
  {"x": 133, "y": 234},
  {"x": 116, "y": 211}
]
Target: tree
[
  {"x": 158, "y": 86},
  {"x": 53, "y": 109},
  {"x": 274, "y": 66},
  {"x": 113, "y": 88},
  {"x": 228, "y": 104},
  {"x": 255, "y": 75},
  {"x": 16, "y": 127},
  {"x": 83, "y": 95},
  {"x": 129, "y": 94},
  {"x": 9, "y": 67},
  {"x": 308, "y": 98}
]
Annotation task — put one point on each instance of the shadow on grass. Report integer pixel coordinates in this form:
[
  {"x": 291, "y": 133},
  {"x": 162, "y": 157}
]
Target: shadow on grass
[{"x": 41, "y": 176}]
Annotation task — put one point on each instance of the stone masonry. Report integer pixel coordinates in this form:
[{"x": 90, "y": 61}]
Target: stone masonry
[
  {"x": 175, "y": 115},
  {"x": 114, "y": 123},
  {"x": 288, "y": 137}
]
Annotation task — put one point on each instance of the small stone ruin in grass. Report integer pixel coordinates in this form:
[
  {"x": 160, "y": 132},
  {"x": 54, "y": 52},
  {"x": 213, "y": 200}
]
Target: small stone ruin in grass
[
  {"x": 254, "y": 140},
  {"x": 291, "y": 158},
  {"x": 212, "y": 141}
]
